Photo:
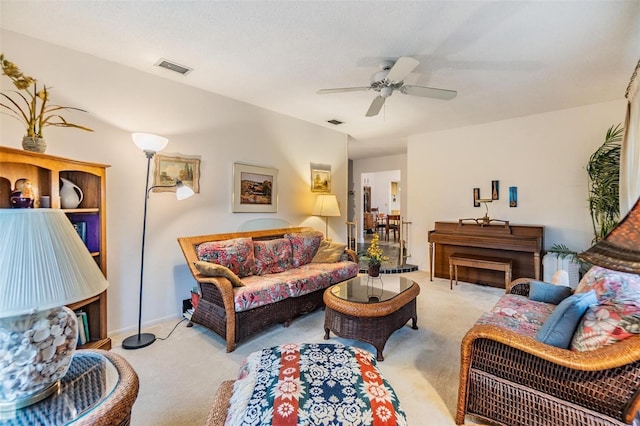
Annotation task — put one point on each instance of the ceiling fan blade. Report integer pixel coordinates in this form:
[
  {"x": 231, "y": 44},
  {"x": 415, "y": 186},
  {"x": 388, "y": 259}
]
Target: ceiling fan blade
[
  {"x": 342, "y": 89},
  {"x": 402, "y": 68},
  {"x": 376, "y": 106},
  {"x": 429, "y": 92}
]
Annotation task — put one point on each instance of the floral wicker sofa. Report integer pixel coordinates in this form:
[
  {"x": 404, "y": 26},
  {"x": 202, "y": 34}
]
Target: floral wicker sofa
[
  {"x": 254, "y": 279},
  {"x": 510, "y": 377}
]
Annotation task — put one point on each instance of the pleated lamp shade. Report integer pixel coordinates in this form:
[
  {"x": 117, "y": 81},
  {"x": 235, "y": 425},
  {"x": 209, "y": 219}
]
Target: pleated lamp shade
[
  {"x": 326, "y": 205},
  {"x": 620, "y": 249},
  {"x": 43, "y": 262}
]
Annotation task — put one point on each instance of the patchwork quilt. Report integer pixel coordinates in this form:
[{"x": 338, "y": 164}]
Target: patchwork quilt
[{"x": 313, "y": 384}]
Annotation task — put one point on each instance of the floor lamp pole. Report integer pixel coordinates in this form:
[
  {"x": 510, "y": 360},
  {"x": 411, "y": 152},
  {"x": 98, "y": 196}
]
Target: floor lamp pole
[{"x": 141, "y": 340}]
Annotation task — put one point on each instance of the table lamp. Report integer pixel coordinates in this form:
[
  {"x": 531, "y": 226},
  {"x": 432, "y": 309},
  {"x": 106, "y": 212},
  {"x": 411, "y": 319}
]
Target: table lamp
[
  {"x": 44, "y": 265},
  {"x": 326, "y": 206}
]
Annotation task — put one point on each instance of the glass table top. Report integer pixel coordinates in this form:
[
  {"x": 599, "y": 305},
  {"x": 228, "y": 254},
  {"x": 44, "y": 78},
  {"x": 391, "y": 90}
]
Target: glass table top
[
  {"x": 91, "y": 378},
  {"x": 366, "y": 289}
]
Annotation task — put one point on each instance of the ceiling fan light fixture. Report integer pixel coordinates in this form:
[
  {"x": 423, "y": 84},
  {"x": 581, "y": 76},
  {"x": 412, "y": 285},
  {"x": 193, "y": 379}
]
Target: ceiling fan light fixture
[
  {"x": 391, "y": 77},
  {"x": 386, "y": 91}
]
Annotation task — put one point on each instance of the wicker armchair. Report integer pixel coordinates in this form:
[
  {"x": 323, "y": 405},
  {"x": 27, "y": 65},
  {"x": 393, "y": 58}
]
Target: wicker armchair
[{"x": 510, "y": 379}]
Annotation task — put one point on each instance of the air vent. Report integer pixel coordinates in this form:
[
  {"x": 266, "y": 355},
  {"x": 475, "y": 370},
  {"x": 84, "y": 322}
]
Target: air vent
[
  {"x": 172, "y": 66},
  {"x": 335, "y": 122}
]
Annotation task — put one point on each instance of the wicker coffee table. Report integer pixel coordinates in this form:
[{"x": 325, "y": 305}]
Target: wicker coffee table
[{"x": 370, "y": 309}]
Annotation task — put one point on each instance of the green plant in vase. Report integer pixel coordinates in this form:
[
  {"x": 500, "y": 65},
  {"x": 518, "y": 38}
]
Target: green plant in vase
[
  {"x": 29, "y": 105},
  {"x": 375, "y": 256}
]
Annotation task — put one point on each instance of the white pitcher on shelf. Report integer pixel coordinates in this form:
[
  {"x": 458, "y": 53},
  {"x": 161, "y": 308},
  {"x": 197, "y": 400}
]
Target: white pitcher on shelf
[{"x": 70, "y": 194}]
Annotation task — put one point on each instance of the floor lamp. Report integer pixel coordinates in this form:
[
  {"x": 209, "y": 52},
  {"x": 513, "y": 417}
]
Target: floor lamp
[
  {"x": 150, "y": 144},
  {"x": 326, "y": 206}
]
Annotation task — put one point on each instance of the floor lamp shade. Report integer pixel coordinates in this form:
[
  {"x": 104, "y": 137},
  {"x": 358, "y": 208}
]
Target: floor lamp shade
[
  {"x": 43, "y": 265},
  {"x": 149, "y": 142},
  {"x": 620, "y": 249},
  {"x": 326, "y": 206}
]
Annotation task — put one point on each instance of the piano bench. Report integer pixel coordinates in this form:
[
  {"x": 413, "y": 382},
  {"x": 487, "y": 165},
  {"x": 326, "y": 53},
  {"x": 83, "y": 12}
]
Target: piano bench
[{"x": 480, "y": 262}]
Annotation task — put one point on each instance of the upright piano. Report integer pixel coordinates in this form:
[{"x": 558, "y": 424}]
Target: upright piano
[{"x": 520, "y": 243}]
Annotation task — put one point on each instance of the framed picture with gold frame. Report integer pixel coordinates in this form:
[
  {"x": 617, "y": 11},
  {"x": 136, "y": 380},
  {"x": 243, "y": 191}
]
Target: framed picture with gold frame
[
  {"x": 320, "y": 177},
  {"x": 255, "y": 189},
  {"x": 170, "y": 168}
]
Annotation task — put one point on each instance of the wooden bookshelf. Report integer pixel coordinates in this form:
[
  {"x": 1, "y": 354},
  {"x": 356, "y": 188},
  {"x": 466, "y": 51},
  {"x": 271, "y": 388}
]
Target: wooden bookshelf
[{"x": 44, "y": 171}]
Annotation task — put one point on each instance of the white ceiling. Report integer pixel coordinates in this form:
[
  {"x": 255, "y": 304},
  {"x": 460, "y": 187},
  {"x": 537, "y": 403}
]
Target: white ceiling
[{"x": 505, "y": 58}]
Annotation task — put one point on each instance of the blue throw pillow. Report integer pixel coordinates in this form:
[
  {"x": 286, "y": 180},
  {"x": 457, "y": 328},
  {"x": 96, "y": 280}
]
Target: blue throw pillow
[
  {"x": 548, "y": 293},
  {"x": 559, "y": 328}
]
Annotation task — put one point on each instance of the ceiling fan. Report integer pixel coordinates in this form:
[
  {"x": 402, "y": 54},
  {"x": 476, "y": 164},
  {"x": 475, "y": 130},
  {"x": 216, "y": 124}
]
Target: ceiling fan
[{"x": 390, "y": 79}]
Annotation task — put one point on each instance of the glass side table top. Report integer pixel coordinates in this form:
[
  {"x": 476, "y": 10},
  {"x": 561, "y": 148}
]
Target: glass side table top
[
  {"x": 366, "y": 289},
  {"x": 91, "y": 378}
]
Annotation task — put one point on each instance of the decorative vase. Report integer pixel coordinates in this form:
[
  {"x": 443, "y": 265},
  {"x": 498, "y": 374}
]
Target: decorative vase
[
  {"x": 22, "y": 195},
  {"x": 38, "y": 348},
  {"x": 374, "y": 270},
  {"x": 34, "y": 144},
  {"x": 70, "y": 194}
]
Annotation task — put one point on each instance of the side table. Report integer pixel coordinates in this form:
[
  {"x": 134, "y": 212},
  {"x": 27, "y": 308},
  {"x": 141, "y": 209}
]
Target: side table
[{"x": 99, "y": 389}]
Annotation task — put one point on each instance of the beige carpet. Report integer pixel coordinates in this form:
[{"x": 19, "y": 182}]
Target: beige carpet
[{"x": 179, "y": 376}]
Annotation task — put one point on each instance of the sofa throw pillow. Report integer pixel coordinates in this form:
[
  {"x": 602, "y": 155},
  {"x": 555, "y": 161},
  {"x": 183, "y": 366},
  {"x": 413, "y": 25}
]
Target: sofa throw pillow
[
  {"x": 236, "y": 254},
  {"x": 605, "y": 324},
  {"x": 548, "y": 293},
  {"x": 304, "y": 246},
  {"x": 214, "y": 270},
  {"x": 609, "y": 284},
  {"x": 559, "y": 328},
  {"x": 329, "y": 252},
  {"x": 272, "y": 256}
]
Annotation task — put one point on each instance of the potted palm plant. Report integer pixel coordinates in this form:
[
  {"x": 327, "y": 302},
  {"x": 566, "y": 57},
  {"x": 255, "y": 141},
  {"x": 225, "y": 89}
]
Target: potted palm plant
[
  {"x": 603, "y": 169},
  {"x": 29, "y": 104}
]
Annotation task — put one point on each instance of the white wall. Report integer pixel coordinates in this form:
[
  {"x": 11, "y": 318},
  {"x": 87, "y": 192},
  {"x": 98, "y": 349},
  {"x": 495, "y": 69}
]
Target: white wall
[
  {"x": 543, "y": 155},
  {"x": 122, "y": 100},
  {"x": 377, "y": 165}
]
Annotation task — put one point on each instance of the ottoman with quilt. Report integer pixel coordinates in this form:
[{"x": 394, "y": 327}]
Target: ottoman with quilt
[{"x": 308, "y": 384}]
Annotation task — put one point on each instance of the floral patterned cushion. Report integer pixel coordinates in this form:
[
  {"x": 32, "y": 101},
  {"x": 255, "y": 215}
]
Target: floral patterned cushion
[
  {"x": 313, "y": 384},
  {"x": 605, "y": 324},
  {"x": 518, "y": 313},
  {"x": 304, "y": 246},
  {"x": 272, "y": 256},
  {"x": 610, "y": 285},
  {"x": 270, "y": 288},
  {"x": 235, "y": 254}
]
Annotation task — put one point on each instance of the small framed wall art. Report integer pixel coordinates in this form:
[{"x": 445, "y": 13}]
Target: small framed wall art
[
  {"x": 320, "y": 177},
  {"x": 495, "y": 189},
  {"x": 255, "y": 189},
  {"x": 476, "y": 197},
  {"x": 170, "y": 168},
  {"x": 513, "y": 196}
]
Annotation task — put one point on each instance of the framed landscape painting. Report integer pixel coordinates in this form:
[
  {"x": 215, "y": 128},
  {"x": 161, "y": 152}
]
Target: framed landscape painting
[
  {"x": 255, "y": 189},
  {"x": 320, "y": 177},
  {"x": 169, "y": 168}
]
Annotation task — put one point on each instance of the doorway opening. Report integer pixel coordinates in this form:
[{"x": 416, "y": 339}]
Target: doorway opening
[{"x": 381, "y": 215}]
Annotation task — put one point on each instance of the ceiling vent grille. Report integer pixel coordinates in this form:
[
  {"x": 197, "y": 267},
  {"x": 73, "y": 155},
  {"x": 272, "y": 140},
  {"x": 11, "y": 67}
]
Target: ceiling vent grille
[
  {"x": 172, "y": 66},
  {"x": 335, "y": 122}
]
